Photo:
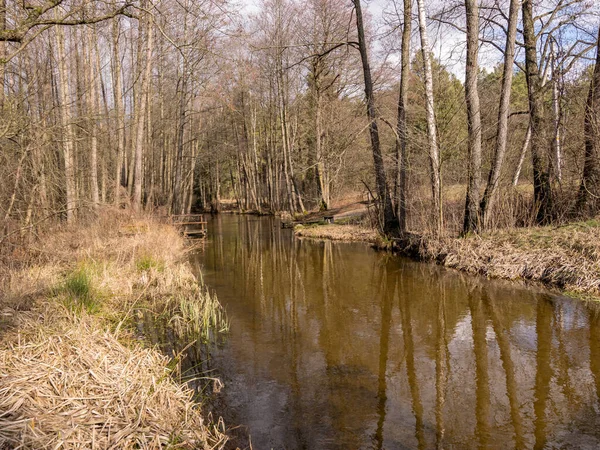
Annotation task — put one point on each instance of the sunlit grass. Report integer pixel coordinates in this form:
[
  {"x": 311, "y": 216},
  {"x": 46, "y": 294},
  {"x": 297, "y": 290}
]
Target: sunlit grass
[
  {"x": 200, "y": 315},
  {"x": 78, "y": 291},
  {"x": 147, "y": 262}
]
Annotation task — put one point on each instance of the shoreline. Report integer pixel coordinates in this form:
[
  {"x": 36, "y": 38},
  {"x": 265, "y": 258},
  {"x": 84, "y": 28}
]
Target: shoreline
[
  {"x": 335, "y": 232},
  {"x": 73, "y": 369},
  {"x": 565, "y": 258}
]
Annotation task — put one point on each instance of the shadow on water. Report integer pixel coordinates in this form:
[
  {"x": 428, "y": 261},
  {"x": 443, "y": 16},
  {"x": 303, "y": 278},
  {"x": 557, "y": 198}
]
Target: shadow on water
[{"x": 338, "y": 346}]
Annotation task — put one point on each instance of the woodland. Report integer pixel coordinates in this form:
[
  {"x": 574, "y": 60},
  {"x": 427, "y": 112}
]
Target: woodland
[{"x": 448, "y": 117}]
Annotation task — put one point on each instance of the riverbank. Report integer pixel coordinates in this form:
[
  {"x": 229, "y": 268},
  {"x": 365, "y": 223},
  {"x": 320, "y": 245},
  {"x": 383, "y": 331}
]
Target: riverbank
[
  {"x": 335, "y": 232},
  {"x": 73, "y": 371},
  {"x": 560, "y": 257}
]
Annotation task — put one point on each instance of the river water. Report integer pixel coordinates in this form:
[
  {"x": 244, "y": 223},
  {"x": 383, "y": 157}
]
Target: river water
[{"x": 335, "y": 345}]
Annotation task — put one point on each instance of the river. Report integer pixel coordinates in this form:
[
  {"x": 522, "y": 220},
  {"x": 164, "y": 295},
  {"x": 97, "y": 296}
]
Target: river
[{"x": 335, "y": 345}]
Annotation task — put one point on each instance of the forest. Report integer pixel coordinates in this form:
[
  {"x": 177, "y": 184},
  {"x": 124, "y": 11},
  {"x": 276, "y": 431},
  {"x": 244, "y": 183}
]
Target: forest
[{"x": 450, "y": 117}]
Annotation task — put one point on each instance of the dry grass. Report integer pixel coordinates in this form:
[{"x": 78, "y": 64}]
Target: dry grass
[
  {"x": 348, "y": 233},
  {"x": 565, "y": 257},
  {"x": 74, "y": 377},
  {"x": 73, "y": 384}
]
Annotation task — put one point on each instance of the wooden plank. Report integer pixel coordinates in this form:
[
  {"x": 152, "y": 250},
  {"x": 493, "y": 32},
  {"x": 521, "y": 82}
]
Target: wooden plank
[{"x": 195, "y": 232}]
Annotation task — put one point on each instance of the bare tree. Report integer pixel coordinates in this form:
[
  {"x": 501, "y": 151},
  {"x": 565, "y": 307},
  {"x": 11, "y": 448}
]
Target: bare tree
[
  {"x": 141, "y": 115},
  {"x": 542, "y": 192},
  {"x": 118, "y": 102},
  {"x": 388, "y": 217},
  {"x": 67, "y": 126},
  {"x": 432, "y": 138},
  {"x": 489, "y": 196},
  {"x": 471, "y": 221},
  {"x": 92, "y": 106},
  {"x": 402, "y": 127}
]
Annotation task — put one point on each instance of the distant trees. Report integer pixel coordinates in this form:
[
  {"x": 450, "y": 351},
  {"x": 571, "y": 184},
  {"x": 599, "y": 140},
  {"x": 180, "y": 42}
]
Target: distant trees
[{"x": 301, "y": 105}]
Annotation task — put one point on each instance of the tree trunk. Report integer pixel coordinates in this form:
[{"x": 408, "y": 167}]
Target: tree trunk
[
  {"x": 141, "y": 117},
  {"x": 434, "y": 151},
  {"x": 588, "y": 202},
  {"x": 321, "y": 178},
  {"x": 556, "y": 143},
  {"x": 489, "y": 196},
  {"x": 65, "y": 118},
  {"x": 119, "y": 119},
  {"x": 92, "y": 107},
  {"x": 177, "y": 188},
  {"x": 522, "y": 156},
  {"x": 542, "y": 192},
  {"x": 471, "y": 220},
  {"x": 402, "y": 127},
  {"x": 102, "y": 87},
  {"x": 285, "y": 144},
  {"x": 389, "y": 219}
]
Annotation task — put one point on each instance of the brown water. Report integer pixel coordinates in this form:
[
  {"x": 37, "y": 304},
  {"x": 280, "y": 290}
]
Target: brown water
[{"x": 334, "y": 345}]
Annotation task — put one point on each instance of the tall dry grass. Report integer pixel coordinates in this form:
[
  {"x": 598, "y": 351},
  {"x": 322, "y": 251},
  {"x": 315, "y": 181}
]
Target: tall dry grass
[
  {"x": 72, "y": 372},
  {"x": 566, "y": 257}
]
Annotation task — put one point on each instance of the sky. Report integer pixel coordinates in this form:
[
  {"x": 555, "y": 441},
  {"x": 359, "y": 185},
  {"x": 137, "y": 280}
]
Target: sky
[
  {"x": 374, "y": 6},
  {"x": 443, "y": 50}
]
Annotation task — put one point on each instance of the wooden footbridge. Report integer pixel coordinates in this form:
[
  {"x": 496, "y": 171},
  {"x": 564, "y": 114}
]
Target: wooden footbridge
[{"x": 192, "y": 225}]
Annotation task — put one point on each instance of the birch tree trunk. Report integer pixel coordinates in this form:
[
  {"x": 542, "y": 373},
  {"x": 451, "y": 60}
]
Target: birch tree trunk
[
  {"x": 522, "y": 157},
  {"x": 556, "y": 141},
  {"x": 432, "y": 139},
  {"x": 471, "y": 220},
  {"x": 489, "y": 196}
]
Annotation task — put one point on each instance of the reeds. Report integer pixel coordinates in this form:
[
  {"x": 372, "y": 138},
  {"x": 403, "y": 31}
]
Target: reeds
[{"x": 197, "y": 316}]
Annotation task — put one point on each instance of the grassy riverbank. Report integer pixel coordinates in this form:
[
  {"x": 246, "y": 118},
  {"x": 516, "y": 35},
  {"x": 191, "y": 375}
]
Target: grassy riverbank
[
  {"x": 347, "y": 233},
  {"x": 561, "y": 257},
  {"x": 73, "y": 374}
]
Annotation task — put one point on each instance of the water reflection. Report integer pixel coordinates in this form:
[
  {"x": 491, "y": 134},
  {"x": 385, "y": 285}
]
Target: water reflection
[{"x": 338, "y": 346}]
